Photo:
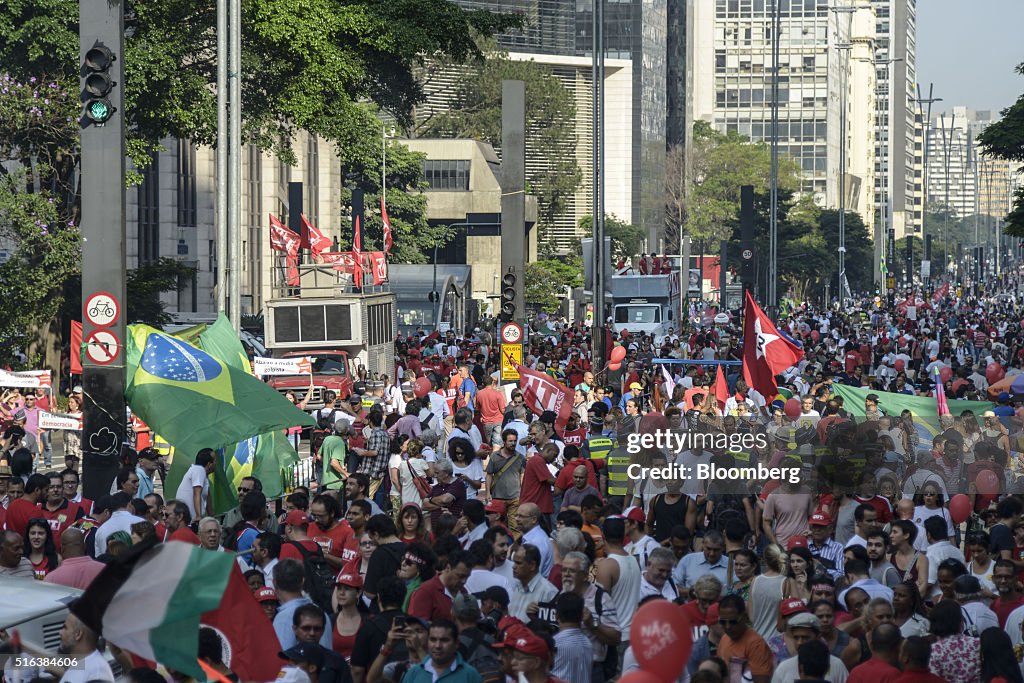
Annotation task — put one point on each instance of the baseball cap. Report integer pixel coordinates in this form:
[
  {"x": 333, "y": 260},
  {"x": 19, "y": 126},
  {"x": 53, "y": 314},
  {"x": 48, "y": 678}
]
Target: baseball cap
[
  {"x": 355, "y": 398},
  {"x": 266, "y": 595},
  {"x": 820, "y": 519},
  {"x": 967, "y": 585},
  {"x": 464, "y": 602},
  {"x": 635, "y": 513},
  {"x": 77, "y": 389},
  {"x": 804, "y": 620},
  {"x": 528, "y": 643},
  {"x": 310, "y": 653},
  {"x": 495, "y": 594},
  {"x": 793, "y": 606},
  {"x": 296, "y": 518},
  {"x": 497, "y": 506},
  {"x": 988, "y": 413},
  {"x": 349, "y": 579},
  {"x": 1003, "y": 396},
  {"x": 796, "y": 542},
  {"x": 635, "y": 385}
]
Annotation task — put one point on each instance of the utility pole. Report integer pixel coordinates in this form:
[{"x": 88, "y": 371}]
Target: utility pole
[
  {"x": 773, "y": 224},
  {"x": 235, "y": 169},
  {"x": 221, "y": 216},
  {"x": 947, "y": 143},
  {"x": 927, "y": 123},
  {"x": 101, "y": 35}
]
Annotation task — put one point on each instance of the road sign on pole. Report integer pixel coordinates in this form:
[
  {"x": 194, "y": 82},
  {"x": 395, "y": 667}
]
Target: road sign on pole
[
  {"x": 511, "y": 356},
  {"x": 511, "y": 333}
]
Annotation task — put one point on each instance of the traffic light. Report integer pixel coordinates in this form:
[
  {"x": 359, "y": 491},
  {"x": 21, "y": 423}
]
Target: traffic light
[
  {"x": 508, "y": 295},
  {"x": 98, "y": 83}
]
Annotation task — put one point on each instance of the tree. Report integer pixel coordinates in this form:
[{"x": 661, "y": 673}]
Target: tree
[
  {"x": 146, "y": 283},
  {"x": 627, "y": 239},
  {"x": 1005, "y": 139},
  {"x": 546, "y": 280},
  {"x": 475, "y": 112},
  {"x": 860, "y": 250},
  {"x": 722, "y": 163},
  {"x": 676, "y": 194}
]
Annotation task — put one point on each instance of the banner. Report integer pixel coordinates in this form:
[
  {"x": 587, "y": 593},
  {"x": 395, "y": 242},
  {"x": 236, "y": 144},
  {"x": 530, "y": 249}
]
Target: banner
[
  {"x": 267, "y": 367},
  {"x": 542, "y": 392},
  {"x": 30, "y": 379},
  {"x": 380, "y": 266},
  {"x": 76, "y": 347},
  {"x": 59, "y": 421}
]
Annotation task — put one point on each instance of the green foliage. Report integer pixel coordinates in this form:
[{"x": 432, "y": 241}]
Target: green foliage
[
  {"x": 1005, "y": 139},
  {"x": 145, "y": 285},
  {"x": 46, "y": 252},
  {"x": 860, "y": 250},
  {"x": 550, "y": 135},
  {"x": 627, "y": 239},
  {"x": 721, "y": 164},
  {"x": 546, "y": 281}
]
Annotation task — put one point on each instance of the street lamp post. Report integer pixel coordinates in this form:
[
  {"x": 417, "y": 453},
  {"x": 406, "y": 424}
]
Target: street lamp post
[
  {"x": 927, "y": 123},
  {"x": 947, "y": 143},
  {"x": 773, "y": 235}
]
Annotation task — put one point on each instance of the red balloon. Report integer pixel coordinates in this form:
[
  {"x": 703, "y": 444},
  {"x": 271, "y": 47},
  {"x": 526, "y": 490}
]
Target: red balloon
[
  {"x": 793, "y": 408},
  {"x": 945, "y": 373},
  {"x": 661, "y": 639},
  {"x": 960, "y": 507},
  {"x": 987, "y": 483},
  {"x": 617, "y": 355},
  {"x": 815, "y": 336},
  {"x": 421, "y": 387},
  {"x": 640, "y": 676},
  {"x": 994, "y": 372},
  {"x": 614, "y": 366}
]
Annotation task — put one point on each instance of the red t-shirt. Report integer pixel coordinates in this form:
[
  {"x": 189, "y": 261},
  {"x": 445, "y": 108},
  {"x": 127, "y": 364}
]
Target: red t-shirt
[
  {"x": 334, "y": 540},
  {"x": 490, "y": 405},
  {"x": 288, "y": 550},
  {"x": 564, "y": 480},
  {"x": 42, "y": 569},
  {"x": 19, "y": 511},
  {"x": 881, "y": 506},
  {"x": 574, "y": 437},
  {"x": 536, "y": 487},
  {"x": 60, "y": 519},
  {"x": 852, "y": 360},
  {"x": 874, "y": 671},
  {"x": 698, "y": 620},
  {"x": 185, "y": 535},
  {"x": 1003, "y": 608}
]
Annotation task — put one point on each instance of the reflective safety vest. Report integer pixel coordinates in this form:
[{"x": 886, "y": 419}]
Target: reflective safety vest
[
  {"x": 598, "y": 447},
  {"x": 742, "y": 458},
  {"x": 618, "y": 466}
]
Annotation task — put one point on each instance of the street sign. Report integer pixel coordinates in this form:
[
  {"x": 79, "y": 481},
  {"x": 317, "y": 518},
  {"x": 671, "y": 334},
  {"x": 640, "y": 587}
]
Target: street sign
[
  {"x": 747, "y": 254},
  {"x": 926, "y": 270},
  {"x": 511, "y": 333},
  {"x": 102, "y": 347},
  {"x": 511, "y": 355},
  {"x": 102, "y": 309},
  {"x": 890, "y": 283}
]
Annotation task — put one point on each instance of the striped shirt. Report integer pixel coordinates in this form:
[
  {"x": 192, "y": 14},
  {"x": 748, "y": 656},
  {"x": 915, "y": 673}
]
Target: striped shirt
[
  {"x": 830, "y": 554},
  {"x": 573, "y": 659}
]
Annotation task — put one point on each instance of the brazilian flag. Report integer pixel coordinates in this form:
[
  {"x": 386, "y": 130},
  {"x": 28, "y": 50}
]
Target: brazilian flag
[{"x": 196, "y": 400}]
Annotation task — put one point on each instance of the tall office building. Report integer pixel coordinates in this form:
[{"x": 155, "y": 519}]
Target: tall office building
[
  {"x": 898, "y": 173},
  {"x": 559, "y": 34},
  {"x": 732, "y": 86}
]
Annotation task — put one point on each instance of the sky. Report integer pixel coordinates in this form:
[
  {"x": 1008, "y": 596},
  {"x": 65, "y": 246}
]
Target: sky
[{"x": 969, "y": 49}]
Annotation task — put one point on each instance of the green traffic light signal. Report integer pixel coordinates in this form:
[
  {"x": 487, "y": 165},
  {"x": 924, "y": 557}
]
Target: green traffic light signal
[{"x": 99, "y": 111}]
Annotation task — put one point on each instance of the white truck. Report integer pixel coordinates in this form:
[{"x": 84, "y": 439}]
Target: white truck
[{"x": 647, "y": 304}]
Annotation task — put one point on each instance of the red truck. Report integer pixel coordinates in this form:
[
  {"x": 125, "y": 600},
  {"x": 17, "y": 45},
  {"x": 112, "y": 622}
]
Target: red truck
[{"x": 331, "y": 372}]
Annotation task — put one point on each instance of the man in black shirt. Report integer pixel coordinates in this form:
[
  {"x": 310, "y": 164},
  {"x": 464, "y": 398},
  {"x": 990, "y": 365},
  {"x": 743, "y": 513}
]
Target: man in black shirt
[{"x": 373, "y": 632}]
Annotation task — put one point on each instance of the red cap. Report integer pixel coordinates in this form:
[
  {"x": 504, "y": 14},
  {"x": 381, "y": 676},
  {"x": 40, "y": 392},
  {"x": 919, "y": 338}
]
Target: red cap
[
  {"x": 497, "y": 506},
  {"x": 349, "y": 579},
  {"x": 820, "y": 518},
  {"x": 514, "y": 629},
  {"x": 529, "y": 644},
  {"x": 793, "y": 606},
  {"x": 796, "y": 542},
  {"x": 635, "y": 513},
  {"x": 296, "y": 518},
  {"x": 266, "y": 595}
]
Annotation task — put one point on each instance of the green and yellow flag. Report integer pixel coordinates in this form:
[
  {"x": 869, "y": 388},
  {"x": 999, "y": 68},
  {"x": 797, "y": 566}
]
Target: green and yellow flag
[{"x": 195, "y": 400}]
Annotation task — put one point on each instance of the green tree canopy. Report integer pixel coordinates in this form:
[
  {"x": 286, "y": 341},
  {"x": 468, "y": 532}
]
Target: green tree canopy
[
  {"x": 627, "y": 239},
  {"x": 546, "y": 281},
  {"x": 1005, "y": 139}
]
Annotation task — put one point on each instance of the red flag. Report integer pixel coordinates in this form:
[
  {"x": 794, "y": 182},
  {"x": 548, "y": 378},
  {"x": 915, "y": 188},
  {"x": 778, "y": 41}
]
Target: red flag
[
  {"x": 292, "y": 270},
  {"x": 940, "y": 394},
  {"x": 542, "y": 392},
  {"x": 766, "y": 353},
  {"x": 76, "y": 347},
  {"x": 721, "y": 388},
  {"x": 242, "y": 623},
  {"x": 380, "y": 266},
  {"x": 388, "y": 239},
  {"x": 318, "y": 242},
  {"x": 940, "y": 293},
  {"x": 281, "y": 238},
  {"x": 357, "y": 249}
]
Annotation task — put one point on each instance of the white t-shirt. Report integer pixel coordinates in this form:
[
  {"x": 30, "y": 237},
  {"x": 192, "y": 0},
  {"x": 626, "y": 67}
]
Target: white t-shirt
[
  {"x": 418, "y": 466},
  {"x": 94, "y": 668},
  {"x": 195, "y": 476},
  {"x": 474, "y": 471}
]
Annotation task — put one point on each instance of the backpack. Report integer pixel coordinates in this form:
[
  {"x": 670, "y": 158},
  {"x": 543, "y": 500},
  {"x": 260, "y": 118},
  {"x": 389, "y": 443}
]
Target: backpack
[
  {"x": 319, "y": 579},
  {"x": 728, "y": 507},
  {"x": 479, "y": 654},
  {"x": 324, "y": 428}
]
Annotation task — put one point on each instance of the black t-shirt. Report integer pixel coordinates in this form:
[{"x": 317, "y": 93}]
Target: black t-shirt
[
  {"x": 1000, "y": 538},
  {"x": 385, "y": 561},
  {"x": 372, "y": 635}
]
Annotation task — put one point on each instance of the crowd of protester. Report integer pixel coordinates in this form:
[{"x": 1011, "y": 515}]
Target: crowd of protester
[{"x": 454, "y": 535}]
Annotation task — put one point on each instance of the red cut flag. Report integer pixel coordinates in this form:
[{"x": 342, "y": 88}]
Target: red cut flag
[
  {"x": 940, "y": 293},
  {"x": 388, "y": 239},
  {"x": 241, "y": 623},
  {"x": 766, "y": 353},
  {"x": 281, "y": 238},
  {"x": 380, "y": 266},
  {"x": 721, "y": 388},
  {"x": 357, "y": 255},
  {"x": 76, "y": 347},
  {"x": 542, "y": 392},
  {"x": 292, "y": 270},
  {"x": 318, "y": 242}
]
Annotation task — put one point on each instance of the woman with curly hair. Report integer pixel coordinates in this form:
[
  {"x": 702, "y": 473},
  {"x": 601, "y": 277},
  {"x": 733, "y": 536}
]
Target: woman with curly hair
[{"x": 418, "y": 566}]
